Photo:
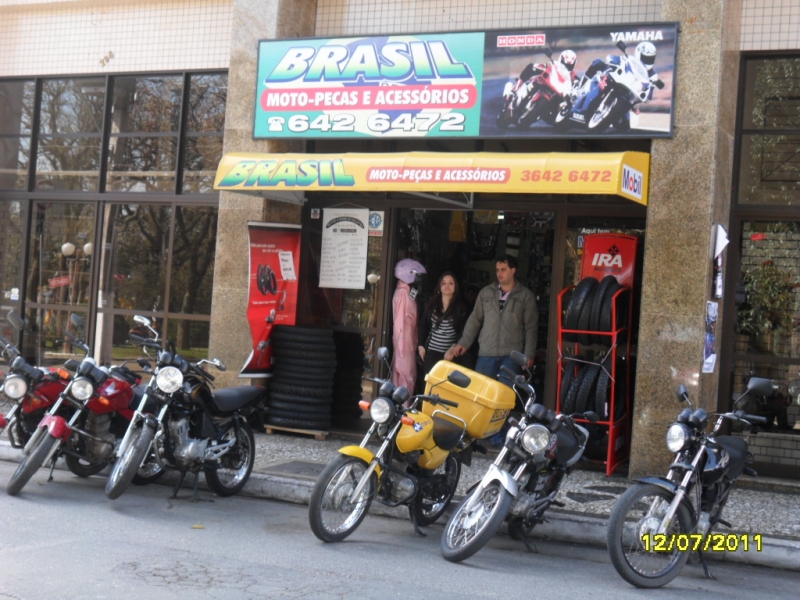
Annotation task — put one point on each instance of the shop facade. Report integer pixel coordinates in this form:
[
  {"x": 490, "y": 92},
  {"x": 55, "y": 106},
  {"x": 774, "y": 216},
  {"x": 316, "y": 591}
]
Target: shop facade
[{"x": 163, "y": 193}]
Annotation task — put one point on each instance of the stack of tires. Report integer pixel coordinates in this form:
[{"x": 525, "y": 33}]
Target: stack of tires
[
  {"x": 584, "y": 386},
  {"x": 304, "y": 361},
  {"x": 347, "y": 388}
]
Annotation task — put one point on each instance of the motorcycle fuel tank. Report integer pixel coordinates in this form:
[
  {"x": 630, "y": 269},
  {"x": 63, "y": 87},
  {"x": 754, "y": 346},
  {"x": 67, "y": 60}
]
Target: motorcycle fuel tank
[
  {"x": 420, "y": 437},
  {"x": 115, "y": 396},
  {"x": 717, "y": 463}
]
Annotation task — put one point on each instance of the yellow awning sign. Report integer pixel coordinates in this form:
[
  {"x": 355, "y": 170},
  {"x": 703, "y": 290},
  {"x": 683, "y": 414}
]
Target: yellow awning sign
[{"x": 621, "y": 173}]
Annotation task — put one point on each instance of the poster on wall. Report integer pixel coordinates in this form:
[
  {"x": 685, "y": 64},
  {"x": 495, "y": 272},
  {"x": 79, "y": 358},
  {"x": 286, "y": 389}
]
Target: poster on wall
[
  {"x": 345, "y": 239},
  {"x": 272, "y": 288},
  {"x": 600, "y": 81}
]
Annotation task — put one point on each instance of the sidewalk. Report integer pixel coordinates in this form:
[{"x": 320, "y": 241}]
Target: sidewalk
[{"x": 287, "y": 466}]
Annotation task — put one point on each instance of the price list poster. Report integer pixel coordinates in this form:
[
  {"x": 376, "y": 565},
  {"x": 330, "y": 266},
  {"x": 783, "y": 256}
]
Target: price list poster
[{"x": 345, "y": 237}]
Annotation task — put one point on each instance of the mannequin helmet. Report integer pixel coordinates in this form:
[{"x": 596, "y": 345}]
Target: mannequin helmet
[{"x": 407, "y": 269}]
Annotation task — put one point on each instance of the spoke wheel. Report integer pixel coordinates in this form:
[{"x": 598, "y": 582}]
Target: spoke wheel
[
  {"x": 30, "y": 464},
  {"x": 434, "y": 498},
  {"x": 601, "y": 119},
  {"x": 470, "y": 528},
  {"x": 638, "y": 513},
  {"x": 234, "y": 467},
  {"x": 331, "y": 513}
]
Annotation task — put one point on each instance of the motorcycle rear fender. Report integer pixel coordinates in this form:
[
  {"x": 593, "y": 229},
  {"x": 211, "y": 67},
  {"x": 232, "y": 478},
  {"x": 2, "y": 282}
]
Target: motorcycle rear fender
[
  {"x": 503, "y": 477},
  {"x": 671, "y": 487},
  {"x": 363, "y": 454}
]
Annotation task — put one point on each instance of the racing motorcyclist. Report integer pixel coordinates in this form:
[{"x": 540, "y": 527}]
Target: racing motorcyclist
[{"x": 568, "y": 58}]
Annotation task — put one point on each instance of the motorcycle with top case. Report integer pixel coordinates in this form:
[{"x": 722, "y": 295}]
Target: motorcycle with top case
[{"x": 422, "y": 446}]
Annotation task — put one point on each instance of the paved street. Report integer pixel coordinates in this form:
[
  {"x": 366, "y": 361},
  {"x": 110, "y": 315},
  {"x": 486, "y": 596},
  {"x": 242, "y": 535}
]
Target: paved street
[{"x": 66, "y": 540}]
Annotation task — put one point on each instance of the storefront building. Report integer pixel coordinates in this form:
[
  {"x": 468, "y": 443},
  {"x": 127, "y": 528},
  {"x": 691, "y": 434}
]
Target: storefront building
[{"x": 108, "y": 206}]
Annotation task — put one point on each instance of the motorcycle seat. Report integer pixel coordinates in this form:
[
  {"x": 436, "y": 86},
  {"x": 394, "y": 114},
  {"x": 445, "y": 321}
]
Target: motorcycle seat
[
  {"x": 446, "y": 434},
  {"x": 231, "y": 399},
  {"x": 737, "y": 450},
  {"x": 138, "y": 392}
]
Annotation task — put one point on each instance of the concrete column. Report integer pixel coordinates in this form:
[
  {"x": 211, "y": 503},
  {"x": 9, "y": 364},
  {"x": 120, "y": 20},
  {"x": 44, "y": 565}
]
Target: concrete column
[
  {"x": 690, "y": 191},
  {"x": 253, "y": 20}
]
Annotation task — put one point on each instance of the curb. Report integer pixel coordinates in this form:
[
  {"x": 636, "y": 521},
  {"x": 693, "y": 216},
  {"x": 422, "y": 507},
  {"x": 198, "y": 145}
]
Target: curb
[{"x": 560, "y": 526}]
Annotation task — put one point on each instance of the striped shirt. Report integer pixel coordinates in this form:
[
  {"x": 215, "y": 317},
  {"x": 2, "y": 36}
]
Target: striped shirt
[{"x": 443, "y": 334}]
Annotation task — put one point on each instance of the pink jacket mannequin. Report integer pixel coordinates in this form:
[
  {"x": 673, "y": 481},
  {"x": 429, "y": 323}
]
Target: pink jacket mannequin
[{"x": 404, "y": 359}]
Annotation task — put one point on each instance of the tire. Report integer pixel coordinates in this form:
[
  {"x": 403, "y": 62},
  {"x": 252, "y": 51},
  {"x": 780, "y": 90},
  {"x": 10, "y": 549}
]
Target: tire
[
  {"x": 30, "y": 464},
  {"x": 127, "y": 465},
  {"x": 83, "y": 469},
  {"x": 584, "y": 321},
  {"x": 602, "y": 393},
  {"x": 536, "y": 112},
  {"x": 621, "y": 396},
  {"x": 561, "y": 120},
  {"x": 504, "y": 119},
  {"x": 597, "y": 307},
  {"x": 310, "y": 413},
  {"x": 298, "y": 422},
  {"x": 322, "y": 345},
  {"x": 292, "y": 400},
  {"x": 314, "y": 357},
  {"x": 431, "y": 502},
  {"x": 566, "y": 381},
  {"x": 235, "y": 466},
  {"x": 604, "y": 114},
  {"x": 460, "y": 542},
  {"x": 575, "y": 307},
  {"x": 306, "y": 363},
  {"x": 606, "y": 311},
  {"x": 301, "y": 334},
  {"x": 626, "y": 526},
  {"x": 300, "y": 390},
  {"x": 331, "y": 497},
  {"x": 587, "y": 387},
  {"x": 568, "y": 407},
  {"x": 314, "y": 378}
]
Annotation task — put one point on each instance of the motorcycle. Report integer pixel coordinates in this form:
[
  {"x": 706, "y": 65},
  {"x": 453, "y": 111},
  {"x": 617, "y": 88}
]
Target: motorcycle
[
  {"x": 195, "y": 429},
  {"x": 537, "y": 95},
  {"x": 608, "y": 97},
  {"x": 523, "y": 481},
  {"x": 96, "y": 406},
  {"x": 31, "y": 390},
  {"x": 418, "y": 464},
  {"x": 656, "y": 523}
]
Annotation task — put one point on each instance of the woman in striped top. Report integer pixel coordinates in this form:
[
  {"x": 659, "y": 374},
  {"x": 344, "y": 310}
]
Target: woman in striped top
[{"x": 442, "y": 323}]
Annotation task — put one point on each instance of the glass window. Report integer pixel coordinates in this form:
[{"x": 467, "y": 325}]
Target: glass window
[
  {"x": 770, "y": 169},
  {"x": 15, "y": 154},
  {"x": 43, "y": 342},
  {"x": 61, "y": 249},
  {"x": 207, "y": 99},
  {"x": 68, "y": 163},
  {"x": 11, "y": 220},
  {"x": 146, "y": 104},
  {"x": 135, "y": 255},
  {"x": 16, "y": 116},
  {"x": 72, "y": 106},
  {"x": 142, "y": 164},
  {"x": 112, "y": 334},
  {"x": 201, "y": 157},
  {"x": 193, "y": 260},
  {"x": 190, "y": 337},
  {"x": 781, "y": 409},
  {"x": 772, "y": 96}
]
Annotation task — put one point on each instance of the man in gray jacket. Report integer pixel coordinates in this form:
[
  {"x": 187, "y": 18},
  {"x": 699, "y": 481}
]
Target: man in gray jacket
[{"x": 506, "y": 318}]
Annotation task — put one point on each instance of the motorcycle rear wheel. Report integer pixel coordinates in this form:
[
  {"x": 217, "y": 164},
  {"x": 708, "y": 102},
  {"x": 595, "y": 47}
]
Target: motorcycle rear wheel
[
  {"x": 127, "y": 465},
  {"x": 468, "y": 531},
  {"x": 637, "y": 513},
  {"x": 235, "y": 467},
  {"x": 428, "y": 507},
  {"x": 30, "y": 464},
  {"x": 331, "y": 515}
]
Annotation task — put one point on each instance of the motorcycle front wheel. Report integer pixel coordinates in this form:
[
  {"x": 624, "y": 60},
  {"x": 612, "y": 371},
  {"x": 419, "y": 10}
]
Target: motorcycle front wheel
[
  {"x": 504, "y": 118},
  {"x": 433, "y": 499},
  {"x": 637, "y": 514},
  {"x": 30, "y": 464},
  {"x": 234, "y": 467},
  {"x": 331, "y": 513},
  {"x": 604, "y": 115},
  {"x": 469, "y": 529},
  {"x": 127, "y": 465}
]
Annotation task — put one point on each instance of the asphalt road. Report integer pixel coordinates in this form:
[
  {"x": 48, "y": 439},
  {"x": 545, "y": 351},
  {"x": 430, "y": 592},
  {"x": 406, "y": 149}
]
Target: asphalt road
[{"x": 65, "y": 540}]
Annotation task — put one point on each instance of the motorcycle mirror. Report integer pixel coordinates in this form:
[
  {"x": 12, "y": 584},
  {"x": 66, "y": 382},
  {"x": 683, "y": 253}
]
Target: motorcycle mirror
[
  {"x": 383, "y": 353},
  {"x": 142, "y": 320},
  {"x": 519, "y": 358},
  {"x": 72, "y": 365},
  {"x": 76, "y": 320},
  {"x": 659, "y": 84},
  {"x": 760, "y": 386},
  {"x": 220, "y": 365},
  {"x": 144, "y": 363},
  {"x": 549, "y": 53},
  {"x": 591, "y": 416},
  {"x": 621, "y": 45},
  {"x": 682, "y": 393},
  {"x": 16, "y": 321},
  {"x": 460, "y": 379}
]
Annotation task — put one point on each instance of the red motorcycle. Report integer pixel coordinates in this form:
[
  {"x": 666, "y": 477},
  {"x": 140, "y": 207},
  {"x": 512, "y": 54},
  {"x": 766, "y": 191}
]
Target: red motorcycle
[
  {"x": 87, "y": 421},
  {"x": 539, "y": 92},
  {"x": 31, "y": 390}
]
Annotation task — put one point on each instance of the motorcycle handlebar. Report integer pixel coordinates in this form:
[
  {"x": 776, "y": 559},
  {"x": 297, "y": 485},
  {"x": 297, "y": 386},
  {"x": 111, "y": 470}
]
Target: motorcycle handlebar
[
  {"x": 142, "y": 341},
  {"x": 202, "y": 372},
  {"x": 755, "y": 419},
  {"x": 437, "y": 400}
]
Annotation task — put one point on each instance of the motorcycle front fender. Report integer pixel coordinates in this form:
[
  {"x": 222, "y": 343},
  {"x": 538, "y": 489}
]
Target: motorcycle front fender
[
  {"x": 363, "y": 454},
  {"x": 503, "y": 477},
  {"x": 671, "y": 487},
  {"x": 56, "y": 426}
]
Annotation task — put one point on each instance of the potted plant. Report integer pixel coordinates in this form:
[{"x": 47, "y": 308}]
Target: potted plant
[{"x": 769, "y": 304}]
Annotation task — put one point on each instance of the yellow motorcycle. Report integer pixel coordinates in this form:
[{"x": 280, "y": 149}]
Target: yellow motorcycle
[{"x": 418, "y": 463}]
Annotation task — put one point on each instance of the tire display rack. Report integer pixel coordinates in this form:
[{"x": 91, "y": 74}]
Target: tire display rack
[{"x": 598, "y": 313}]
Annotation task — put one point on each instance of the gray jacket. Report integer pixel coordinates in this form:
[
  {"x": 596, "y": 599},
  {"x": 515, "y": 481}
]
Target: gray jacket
[{"x": 515, "y": 328}]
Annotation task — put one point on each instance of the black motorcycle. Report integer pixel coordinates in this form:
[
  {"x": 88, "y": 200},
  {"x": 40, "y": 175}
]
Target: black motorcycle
[
  {"x": 657, "y": 523},
  {"x": 522, "y": 483},
  {"x": 194, "y": 429}
]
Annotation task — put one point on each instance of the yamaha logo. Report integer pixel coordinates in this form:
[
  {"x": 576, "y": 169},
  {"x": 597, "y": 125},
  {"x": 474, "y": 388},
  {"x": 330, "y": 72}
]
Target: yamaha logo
[{"x": 632, "y": 181}]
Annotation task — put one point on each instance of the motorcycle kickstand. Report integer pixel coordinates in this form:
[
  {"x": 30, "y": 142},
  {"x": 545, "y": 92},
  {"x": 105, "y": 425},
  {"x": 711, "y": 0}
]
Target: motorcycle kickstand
[
  {"x": 705, "y": 564},
  {"x": 178, "y": 487},
  {"x": 195, "y": 496},
  {"x": 416, "y": 525},
  {"x": 52, "y": 468}
]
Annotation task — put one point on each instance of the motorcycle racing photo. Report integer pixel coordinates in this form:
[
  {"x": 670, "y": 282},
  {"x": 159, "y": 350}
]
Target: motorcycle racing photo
[{"x": 592, "y": 82}]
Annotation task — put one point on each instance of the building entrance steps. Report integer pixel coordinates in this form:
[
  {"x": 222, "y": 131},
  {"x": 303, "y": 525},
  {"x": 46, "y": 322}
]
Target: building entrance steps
[{"x": 287, "y": 466}]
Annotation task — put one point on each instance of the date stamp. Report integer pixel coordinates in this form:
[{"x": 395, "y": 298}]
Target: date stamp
[{"x": 715, "y": 542}]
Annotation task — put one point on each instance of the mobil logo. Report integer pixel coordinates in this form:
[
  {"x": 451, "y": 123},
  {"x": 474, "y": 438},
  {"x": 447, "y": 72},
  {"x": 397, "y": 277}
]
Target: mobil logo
[
  {"x": 610, "y": 259},
  {"x": 632, "y": 181}
]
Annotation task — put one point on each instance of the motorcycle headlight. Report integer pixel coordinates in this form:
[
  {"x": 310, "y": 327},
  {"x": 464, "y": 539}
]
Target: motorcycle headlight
[
  {"x": 82, "y": 389},
  {"x": 535, "y": 438},
  {"x": 678, "y": 436},
  {"x": 169, "y": 379},
  {"x": 381, "y": 410},
  {"x": 15, "y": 387}
]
